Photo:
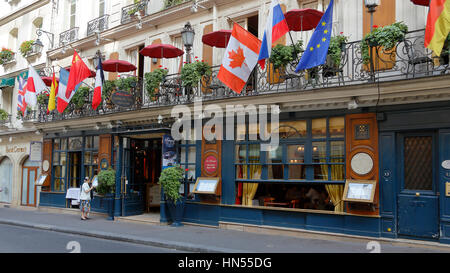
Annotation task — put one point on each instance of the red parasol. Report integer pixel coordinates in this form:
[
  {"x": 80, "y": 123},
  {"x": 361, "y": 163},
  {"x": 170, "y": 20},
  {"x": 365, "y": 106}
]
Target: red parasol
[
  {"x": 48, "y": 80},
  {"x": 217, "y": 38},
  {"x": 421, "y": 2},
  {"x": 303, "y": 19},
  {"x": 91, "y": 76},
  {"x": 118, "y": 66},
  {"x": 161, "y": 51}
]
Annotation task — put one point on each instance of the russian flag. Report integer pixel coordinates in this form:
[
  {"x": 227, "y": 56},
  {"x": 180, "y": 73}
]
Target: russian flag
[
  {"x": 99, "y": 79},
  {"x": 276, "y": 27}
]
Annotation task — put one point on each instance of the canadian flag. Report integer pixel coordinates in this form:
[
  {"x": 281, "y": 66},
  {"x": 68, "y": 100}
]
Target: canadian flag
[
  {"x": 35, "y": 85},
  {"x": 241, "y": 56}
]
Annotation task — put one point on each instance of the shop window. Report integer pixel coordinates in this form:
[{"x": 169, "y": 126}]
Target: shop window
[
  {"x": 59, "y": 176},
  {"x": 309, "y": 162},
  {"x": 187, "y": 152}
]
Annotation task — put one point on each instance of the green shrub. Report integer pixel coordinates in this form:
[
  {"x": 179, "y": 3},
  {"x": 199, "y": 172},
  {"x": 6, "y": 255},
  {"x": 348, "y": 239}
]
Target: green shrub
[
  {"x": 153, "y": 80},
  {"x": 282, "y": 55},
  {"x": 106, "y": 181},
  {"x": 192, "y": 73},
  {"x": 3, "y": 115},
  {"x": 170, "y": 181}
]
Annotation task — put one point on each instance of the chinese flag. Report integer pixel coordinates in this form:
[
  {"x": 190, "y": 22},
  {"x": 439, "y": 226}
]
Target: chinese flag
[{"x": 78, "y": 72}]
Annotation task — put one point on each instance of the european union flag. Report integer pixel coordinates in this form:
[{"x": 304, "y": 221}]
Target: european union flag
[{"x": 316, "y": 52}]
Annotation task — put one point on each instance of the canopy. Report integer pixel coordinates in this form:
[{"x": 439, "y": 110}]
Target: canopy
[
  {"x": 421, "y": 2},
  {"x": 217, "y": 38},
  {"x": 303, "y": 19},
  {"x": 161, "y": 51},
  {"x": 118, "y": 66},
  {"x": 48, "y": 80}
]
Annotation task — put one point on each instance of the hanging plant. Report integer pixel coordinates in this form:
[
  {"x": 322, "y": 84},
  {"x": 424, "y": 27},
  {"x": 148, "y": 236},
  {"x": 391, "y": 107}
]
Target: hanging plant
[
  {"x": 3, "y": 115},
  {"x": 26, "y": 47},
  {"x": 79, "y": 98},
  {"x": 192, "y": 73},
  {"x": 337, "y": 45},
  {"x": 153, "y": 80},
  {"x": 6, "y": 55},
  {"x": 386, "y": 37},
  {"x": 282, "y": 55}
]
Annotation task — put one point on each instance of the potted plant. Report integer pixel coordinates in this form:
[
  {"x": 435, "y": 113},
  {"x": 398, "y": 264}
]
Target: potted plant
[
  {"x": 126, "y": 84},
  {"x": 387, "y": 37},
  {"x": 192, "y": 73},
  {"x": 107, "y": 90},
  {"x": 170, "y": 181},
  {"x": 153, "y": 80},
  {"x": 26, "y": 48},
  {"x": 42, "y": 98},
  {"x": 79, "y": 99},
  {"x": 6, "y": 55},
  {"x": 333, "y": 61},
  {"x": 3, "y": 115},
  {"x": 106, "y": 187},
  {"x": 282, "y": 55},
  {"x": 138, "y": 6}
]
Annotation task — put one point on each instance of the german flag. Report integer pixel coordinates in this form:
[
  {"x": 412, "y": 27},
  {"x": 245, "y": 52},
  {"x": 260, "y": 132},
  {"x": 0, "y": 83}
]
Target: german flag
[{"x": 438, "y": 25}]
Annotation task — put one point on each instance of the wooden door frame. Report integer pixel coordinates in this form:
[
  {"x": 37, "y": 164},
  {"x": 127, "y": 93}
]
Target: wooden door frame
[{"x": 28, "y": 186}]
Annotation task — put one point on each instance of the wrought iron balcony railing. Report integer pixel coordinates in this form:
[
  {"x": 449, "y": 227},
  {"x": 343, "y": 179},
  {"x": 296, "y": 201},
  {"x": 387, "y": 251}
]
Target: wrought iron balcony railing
[
  {"x": 98, "y": 24},
  {"x": 129, "y": 12},
  {"x": 68, "y": 36},
  {"x": 172, "y": 3},
  {"x": 409, "y": 59}
]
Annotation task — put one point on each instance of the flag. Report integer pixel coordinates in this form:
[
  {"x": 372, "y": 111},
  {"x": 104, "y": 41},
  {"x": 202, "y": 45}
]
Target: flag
[
  {"x": 78, "y": 72},
  {"x": 438, "y": 25},
  {"x": 317, "y": 49},
  {"x": 276, "y": 27},
  {"x": 62, "y": 100},
  {"x": 21, "y": 104},
  {"x": 241, "y": 56},
  {"x": 35, "y": 85},
  {"x": 52, "y": 99},
  {"x": 99, "y": 79}
]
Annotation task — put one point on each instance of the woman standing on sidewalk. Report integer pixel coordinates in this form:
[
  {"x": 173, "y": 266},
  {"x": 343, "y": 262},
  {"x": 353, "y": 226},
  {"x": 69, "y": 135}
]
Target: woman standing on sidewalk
[{"x": 85, "y": 198}]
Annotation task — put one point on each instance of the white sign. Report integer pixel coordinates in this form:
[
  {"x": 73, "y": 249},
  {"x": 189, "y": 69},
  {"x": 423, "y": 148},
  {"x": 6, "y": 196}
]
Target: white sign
[
  {"x": 446, "y": 164},
  {"x": 36, "y": 151}
]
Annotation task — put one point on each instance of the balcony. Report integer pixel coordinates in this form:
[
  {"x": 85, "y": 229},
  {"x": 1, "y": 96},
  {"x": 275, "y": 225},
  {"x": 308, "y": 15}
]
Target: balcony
[
  {"x": 408, "y": 60},
  {"x": 68, "y": 36},
  {"x": 97, "y": 25},
  {"x": 130, "y": 12},
  {"x": 172, "y": 3}
]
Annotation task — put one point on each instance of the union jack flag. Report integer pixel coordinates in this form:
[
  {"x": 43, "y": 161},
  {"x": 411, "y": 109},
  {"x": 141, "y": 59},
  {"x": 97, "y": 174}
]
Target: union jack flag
[{"x": 21, "y": 104}]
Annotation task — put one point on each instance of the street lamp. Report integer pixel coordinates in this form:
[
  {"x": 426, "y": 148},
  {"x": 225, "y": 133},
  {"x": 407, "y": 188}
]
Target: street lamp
[
  {"x": 38, "y": 43},
  {"x": 371, "y": 6},
  {"x": 97, "y": 58},
  {"x": 187, "y": 35}
]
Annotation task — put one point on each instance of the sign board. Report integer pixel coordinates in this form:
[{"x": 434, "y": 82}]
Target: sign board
[
  {"x": 95, "y": 181},
  {"x": 206, "y": 185},
  {"x": 210, "y": 164},
  {"x": 41, "y": 180},
  {"x": 359, "y": 191},
  {"x": 168, "y": 152},
  {"x": 122, "y": 98},
  {"x": 447, "y": 188},
  {"x": 446, "y": 164},
  {"x": 36, "y": 151}
]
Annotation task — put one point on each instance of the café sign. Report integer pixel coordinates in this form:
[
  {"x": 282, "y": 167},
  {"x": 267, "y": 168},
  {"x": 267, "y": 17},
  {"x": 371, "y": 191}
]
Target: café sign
[
  {"x": 15, "y": 149},
  {"x": 123, "y": 99}
]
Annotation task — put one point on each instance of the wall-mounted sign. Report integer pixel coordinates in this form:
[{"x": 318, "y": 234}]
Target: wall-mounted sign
[
  {"x": 361, "y": 163},
  {"x": 168, "y": 151},
  {"x": 446, "y": 164},
  {"x": 104, "y": 164},
  {"x": 359, "y": 191},
  {"x": 95, "y": 181},
  {"x": 206, "y": 185},
  {"x": 210, "y": 164},
  {"x": 15, "y": 149},
  {"x": 122, "y": 98},
  {"x": 36, "y": 151},
  {"x": 45, "y": 166}
]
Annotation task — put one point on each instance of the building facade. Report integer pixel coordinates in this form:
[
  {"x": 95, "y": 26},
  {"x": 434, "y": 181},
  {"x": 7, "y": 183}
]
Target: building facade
[{"x": 387, "y": 124}]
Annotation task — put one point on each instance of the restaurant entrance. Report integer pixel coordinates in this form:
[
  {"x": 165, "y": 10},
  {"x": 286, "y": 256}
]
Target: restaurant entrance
[{"x": 141, "y": 170}]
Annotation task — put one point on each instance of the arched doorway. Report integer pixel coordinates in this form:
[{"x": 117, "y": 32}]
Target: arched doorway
[
  {"x": 6, "y": 169},
  {"x": 30, "y": 172}
]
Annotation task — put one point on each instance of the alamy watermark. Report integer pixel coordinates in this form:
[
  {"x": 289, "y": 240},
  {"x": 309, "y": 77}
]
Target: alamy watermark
[{"x": 233, "y": 116}]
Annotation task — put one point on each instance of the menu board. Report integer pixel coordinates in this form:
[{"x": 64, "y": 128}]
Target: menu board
[
  {"x": 41, "y": 180},
  {"x": 95, "y": 181},
  {"x": 206, "y": 185},
  {"x": 359, "y": 191}
]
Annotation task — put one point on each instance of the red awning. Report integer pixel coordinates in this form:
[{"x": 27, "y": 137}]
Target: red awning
[
  {"x": 217, "y": 38},
  {"x": 421, "y": 2}
]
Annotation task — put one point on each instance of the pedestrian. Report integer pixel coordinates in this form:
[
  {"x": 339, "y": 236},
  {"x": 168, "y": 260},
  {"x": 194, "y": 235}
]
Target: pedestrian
[{"x": 85, "y": 198}]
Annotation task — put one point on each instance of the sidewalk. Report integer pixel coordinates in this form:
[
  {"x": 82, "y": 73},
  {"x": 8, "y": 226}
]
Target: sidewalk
[{"x": 198, "y": 239}]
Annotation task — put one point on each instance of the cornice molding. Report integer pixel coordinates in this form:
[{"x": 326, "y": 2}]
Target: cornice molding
[{"x": 24, "y": 10}]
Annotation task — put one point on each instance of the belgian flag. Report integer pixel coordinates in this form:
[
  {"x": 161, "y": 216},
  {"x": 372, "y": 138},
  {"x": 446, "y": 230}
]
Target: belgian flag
[{"x": 438, "y": 25}]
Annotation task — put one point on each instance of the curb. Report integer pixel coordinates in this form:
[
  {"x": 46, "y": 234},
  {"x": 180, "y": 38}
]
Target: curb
[{"x": 128, "y": 239}]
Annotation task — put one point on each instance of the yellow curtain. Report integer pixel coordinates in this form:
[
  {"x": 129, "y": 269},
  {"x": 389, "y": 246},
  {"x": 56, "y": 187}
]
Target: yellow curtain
[
  {"x": 249, "y": 189},
  {"x": 336, "y": 191}
]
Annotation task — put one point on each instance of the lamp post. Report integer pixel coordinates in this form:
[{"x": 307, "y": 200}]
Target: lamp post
[
  {"x": 97, "y": 58},
  {"x": 187, "y": 35},
  {"x": 371, "y": 6},
  {"x": 38, "y": 42}
]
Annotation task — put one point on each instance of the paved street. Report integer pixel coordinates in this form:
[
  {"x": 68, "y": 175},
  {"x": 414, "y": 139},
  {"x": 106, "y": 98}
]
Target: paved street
[
  {"x": 14, "y": 239},
  {"x": 30, "y": 230}
]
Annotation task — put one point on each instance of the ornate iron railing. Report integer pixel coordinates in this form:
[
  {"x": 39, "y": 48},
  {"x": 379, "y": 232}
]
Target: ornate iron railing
[
  {"x": 129, "y": 12},
  {"x": 68, "y": 36},
  {"x": 409, "y": 59},
  {"x": 172, "y": 3},
  {"x": 98, "y": 24}
]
